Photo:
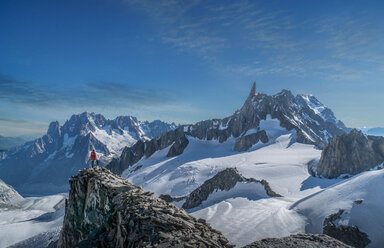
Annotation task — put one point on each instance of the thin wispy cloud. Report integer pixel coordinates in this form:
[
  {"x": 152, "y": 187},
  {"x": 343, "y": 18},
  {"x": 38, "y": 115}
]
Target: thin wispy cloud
[
  {"x": 287, "y": 46},
  {"x": 86, "y": 94}
]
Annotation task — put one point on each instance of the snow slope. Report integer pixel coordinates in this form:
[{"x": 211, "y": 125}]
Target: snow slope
[
  {"x": 243, "y": 214},
  {"x": 368, "y": 215},
  {"x": 38, "y": 219}
]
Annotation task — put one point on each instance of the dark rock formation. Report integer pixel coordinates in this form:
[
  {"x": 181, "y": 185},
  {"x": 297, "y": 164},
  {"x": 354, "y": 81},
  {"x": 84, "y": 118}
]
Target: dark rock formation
[
  {"x": 224, "y": 180},
  {"x": 267, "y": 188},
  {"x": 350, "y": 235},
  {"x": 358, "y": 202},
  {"x": 245, "y": 142},
  {"x": 105, "y": 210},
  {"x": 132, "y": 155},
  {"x": 178, "y": 146},
  {"x": 170, "y": 199},
  {"x": 299, "y": 241},
  {"x": 129, "y": 156},
  {"x": 350, "y": 154}
]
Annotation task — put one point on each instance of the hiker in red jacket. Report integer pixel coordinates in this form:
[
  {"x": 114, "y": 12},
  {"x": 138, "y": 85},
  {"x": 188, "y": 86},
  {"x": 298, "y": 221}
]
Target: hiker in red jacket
[{"x": 93, "y": 158}]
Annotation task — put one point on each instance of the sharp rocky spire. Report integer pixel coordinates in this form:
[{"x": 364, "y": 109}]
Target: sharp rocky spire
[{"x": 253, "y": 92}]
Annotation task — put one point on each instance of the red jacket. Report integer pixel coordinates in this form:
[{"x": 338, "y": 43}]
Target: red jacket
[{"x": 93, "y": 156}]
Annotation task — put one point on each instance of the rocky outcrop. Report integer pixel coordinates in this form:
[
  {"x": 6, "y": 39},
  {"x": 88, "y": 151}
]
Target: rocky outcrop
[
  {"x": 170, "y": 199},
  {"x": 350, "y": 153},
  {"x": 133, "y": 154},
  {"x": 245, "y": 142},
  {"x": 178, "y": 146},
  {"x": 350, "y": 235},
  {"x": 299, "y": 241},
  {"x": 105, "y": 210},
  {"x": 224, "y": 180}
]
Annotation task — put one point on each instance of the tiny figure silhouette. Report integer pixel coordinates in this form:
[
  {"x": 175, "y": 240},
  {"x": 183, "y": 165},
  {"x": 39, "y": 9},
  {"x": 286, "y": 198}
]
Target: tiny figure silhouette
[{"x": 93, "y": 158}]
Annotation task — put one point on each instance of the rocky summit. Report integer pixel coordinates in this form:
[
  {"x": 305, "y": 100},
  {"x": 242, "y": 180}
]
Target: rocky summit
[
  {"x": 299, "y": 241},
  {"x": 350, "y": 154},
  {"x": 105, "y": 210}
]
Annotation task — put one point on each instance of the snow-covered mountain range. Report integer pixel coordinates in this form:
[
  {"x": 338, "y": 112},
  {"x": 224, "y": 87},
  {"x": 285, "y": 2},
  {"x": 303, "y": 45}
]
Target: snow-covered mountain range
[
  {"x": 247, "y": 174},
  {"x": 43, "y": 166},
  {"x": 310, "y": 121}
]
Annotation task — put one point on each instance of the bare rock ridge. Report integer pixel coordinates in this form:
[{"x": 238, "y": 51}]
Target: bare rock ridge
[
  {"x": 299, "y": 241},
  {"x": 224, "y": 180},
  {"x": 350, "y": 235},
  {"x": 132, "y": 155},
  {"x": 105, "y": 210},
  {"x": 313, "y": 122},
  {"x": 245, "y": 142},
  {"x": 350, "y": 154}
]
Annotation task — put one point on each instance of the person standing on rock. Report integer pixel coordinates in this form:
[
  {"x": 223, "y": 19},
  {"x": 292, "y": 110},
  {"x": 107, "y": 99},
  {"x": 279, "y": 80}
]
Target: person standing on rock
[{"x": 93, "y": 158}]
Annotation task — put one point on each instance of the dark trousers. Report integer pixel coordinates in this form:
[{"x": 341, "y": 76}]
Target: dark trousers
[{"x": 93, "y": 162}]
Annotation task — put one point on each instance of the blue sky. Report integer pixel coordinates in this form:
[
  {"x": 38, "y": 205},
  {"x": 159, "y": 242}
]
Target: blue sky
[{"x": 185, "y": 61}]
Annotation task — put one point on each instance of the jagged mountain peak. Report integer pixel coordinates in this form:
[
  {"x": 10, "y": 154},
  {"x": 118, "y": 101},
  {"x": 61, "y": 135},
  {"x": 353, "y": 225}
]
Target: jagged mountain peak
[
  {"x": 83, "y": 123},
  {"x": 54, "y": 129},
  {"x": 292, "y": 114},
  {"x": 65, "y": 149},
  {"x": 252, "y": 93}
]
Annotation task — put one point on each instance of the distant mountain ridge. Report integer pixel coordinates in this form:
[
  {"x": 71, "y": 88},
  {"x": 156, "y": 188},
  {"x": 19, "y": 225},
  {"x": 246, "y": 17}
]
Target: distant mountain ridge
[
  {"x": 375, "y": 131},
  {"x": 313, "y": 122},
  {"x": 45, "y": 164},
  {"x": 10, "y": 142}
]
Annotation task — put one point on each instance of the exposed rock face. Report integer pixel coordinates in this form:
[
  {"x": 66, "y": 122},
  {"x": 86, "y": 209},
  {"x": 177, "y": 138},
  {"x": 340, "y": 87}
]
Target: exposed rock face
[
  {"x": 169, "y": 198},
  {"x": 178, "y": 146},
  {"x": 224, "y": 180},
  {"x": 132, "y": 155},
  {"x": 313, "y": 122},
  {"x": 350, "y": 235},
  {"x": 350, "y": 154},
  {"x": 245, "y": 142},
  {"x": 105, "y": 210},
  {"x": 299, "y": 241}
]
